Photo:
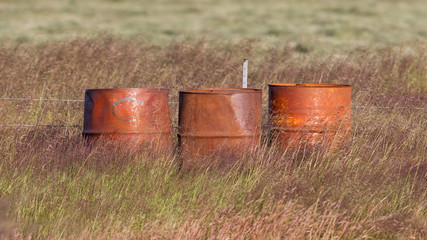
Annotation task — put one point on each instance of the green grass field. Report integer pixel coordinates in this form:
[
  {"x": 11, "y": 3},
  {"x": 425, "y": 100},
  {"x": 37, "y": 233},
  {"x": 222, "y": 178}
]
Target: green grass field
[
  {"x": 53, "y": 186},
  {"x": 309, "y": 25}
]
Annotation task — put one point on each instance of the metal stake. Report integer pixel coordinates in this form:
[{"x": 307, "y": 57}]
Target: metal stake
[{"x": 245, "y": 74}]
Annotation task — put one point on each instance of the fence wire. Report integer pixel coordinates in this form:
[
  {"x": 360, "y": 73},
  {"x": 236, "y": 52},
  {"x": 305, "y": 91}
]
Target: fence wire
[
  {"x": 79, "y": 100},
  {"x": 42, "y": 99},
  {"x": 40, "y": 125}
]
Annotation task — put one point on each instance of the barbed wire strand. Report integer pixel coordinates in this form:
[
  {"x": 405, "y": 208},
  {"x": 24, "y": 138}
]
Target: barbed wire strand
[
  {"x": 42, "y": 99},
  {"x": 81, "y": 126},
  {"x": 78, "y": 100},
  {"x": 39, "y": 125}
]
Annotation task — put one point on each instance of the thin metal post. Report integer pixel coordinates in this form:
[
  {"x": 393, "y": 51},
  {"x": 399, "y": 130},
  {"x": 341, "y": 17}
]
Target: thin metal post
[{"x": 245, "y": 74}]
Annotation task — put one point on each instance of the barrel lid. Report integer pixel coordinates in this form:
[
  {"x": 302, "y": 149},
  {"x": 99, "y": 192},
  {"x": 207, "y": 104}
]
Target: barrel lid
[
  {"x": 309, "y": 85},
  {"x": 221, "y": 91}
]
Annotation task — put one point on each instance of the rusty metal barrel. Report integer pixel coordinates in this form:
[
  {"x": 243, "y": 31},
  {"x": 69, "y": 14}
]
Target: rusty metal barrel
[
  {"x": 309, "y": 114},
  {"x": 218, "y": 119},
  {"x": 135, "y": 116}
]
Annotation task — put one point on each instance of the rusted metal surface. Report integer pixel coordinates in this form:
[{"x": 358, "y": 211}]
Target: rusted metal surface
[
  {"x": 312, "y": 114},
  {"x": 134, "y": 116},
  {"x": 218, "y": 119}
]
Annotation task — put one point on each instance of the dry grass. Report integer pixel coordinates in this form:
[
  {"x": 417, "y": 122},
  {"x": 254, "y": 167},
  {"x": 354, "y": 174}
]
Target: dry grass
[{"x": 56, "y": 187}]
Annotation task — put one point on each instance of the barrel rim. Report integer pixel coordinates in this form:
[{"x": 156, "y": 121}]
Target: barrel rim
[
  {"x": 309, "y": 85},
  {"x": 221, "y": 91},
  {"x": 100, "y": 132},
  {"x": 128, "y": 89}
]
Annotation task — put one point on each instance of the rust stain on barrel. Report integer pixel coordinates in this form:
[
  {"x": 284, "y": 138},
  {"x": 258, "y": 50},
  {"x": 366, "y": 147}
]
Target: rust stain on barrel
[
  {"x": 218, "y": 119},
  {"x": 313, "y": 114},
  {"x": 132, "y": 115}
]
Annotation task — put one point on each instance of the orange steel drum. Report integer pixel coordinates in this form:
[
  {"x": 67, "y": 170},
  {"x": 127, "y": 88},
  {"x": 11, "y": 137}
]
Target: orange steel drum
[
  {"x": 312, "y": 114},
  {"x": 218, "y": 119},
  {"x": 136, "y": 116}
]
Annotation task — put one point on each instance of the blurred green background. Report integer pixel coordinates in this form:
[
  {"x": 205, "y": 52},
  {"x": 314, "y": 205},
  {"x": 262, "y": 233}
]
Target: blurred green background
[{"x": 307, "y": 25}]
